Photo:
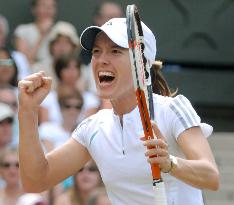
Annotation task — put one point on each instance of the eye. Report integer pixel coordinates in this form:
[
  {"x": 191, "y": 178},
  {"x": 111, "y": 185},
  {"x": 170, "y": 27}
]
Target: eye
[
  {"x": 116, "y": 51},
  {"x": 95, "y": 51}
]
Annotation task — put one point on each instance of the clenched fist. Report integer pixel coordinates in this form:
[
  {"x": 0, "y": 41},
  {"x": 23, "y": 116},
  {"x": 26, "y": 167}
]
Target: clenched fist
[{"x": 33, "y": 90}]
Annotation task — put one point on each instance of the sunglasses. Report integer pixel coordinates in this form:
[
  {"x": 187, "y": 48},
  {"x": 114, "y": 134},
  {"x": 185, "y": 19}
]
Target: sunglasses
[
  {"x": 90, "y": 169},
  {"x": 6, "y": 62},
  {"x": 8, "y": 165},
  {"x": 78, "y": 107}
]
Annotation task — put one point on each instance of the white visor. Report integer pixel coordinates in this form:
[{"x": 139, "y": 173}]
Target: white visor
[{"x": 116, "y": 30}]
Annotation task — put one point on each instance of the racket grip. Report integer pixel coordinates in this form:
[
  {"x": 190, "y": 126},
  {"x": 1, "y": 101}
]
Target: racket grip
[
  {"x": 156, "y": 172},
  {"x": 160, "y": 197}
]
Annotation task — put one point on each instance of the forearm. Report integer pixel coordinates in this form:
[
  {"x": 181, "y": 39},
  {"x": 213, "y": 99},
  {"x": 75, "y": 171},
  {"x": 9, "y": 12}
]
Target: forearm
[
  {"x": 201, "y": 174},
  {"x": 33, "y": 164}
]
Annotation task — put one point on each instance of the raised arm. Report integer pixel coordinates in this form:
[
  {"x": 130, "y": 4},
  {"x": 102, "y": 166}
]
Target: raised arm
[{"x": 40, "y": 172}]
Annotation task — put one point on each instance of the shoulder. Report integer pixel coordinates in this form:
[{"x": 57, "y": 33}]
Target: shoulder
[
  {"x": 102, "y": 116},
  {"x": 162, "y": 100},
  {"x": 25, "y": 27},
  {"x": 180, "y": 105},
  {"x": 172, "y": 103}
]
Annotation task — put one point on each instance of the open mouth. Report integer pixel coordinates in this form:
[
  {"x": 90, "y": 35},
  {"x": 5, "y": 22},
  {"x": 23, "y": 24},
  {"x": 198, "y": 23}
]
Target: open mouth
[{"x": 105, "y": 77}]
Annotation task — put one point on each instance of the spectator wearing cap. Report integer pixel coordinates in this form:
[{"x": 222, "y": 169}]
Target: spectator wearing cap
[
  {"x": 11, "y": 190},
  {"x": 63, "y": 40},
  {"x": 6, "y": 122}
]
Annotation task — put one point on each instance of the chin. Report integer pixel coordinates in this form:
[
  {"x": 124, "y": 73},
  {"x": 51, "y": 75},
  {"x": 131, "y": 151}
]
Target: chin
[{"x": 104, "y": 94}]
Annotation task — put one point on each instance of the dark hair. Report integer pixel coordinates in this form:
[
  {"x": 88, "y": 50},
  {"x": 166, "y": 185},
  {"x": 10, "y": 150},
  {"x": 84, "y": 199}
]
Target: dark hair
[
  {"x": 62, "y": 62},
  {"x": 14, "y": 79},
  {"x": 98, "y": 8},
  {"x": 34, "y": 3},
  {"x": 159, "y": 84}
]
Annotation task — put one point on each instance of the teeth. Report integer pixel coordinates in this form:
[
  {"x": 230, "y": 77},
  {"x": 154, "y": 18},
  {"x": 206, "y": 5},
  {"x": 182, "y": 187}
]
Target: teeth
[
  {"x": 105, "y": 76},
  {"x": 105, "y": 73}
]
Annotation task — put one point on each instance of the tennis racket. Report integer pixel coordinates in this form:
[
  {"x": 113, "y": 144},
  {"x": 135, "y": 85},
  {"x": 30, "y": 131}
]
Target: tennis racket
[{"x": 143, "y": 89}]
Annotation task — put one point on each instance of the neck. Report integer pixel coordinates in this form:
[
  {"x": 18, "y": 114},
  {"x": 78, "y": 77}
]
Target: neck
[
  {"x": 124, "y": 105},
  {"x": 84, "y": 196},
  {"x": 68, "y": 125},
  {"x": 13, "y": 189}
]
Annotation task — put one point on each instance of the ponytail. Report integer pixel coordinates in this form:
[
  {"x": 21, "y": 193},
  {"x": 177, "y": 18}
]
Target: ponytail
[{"x": 159, "y": 84}]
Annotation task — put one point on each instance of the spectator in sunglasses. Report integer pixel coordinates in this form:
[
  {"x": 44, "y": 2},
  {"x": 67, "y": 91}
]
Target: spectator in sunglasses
[
  {"x": 8, "y": 69},
  {"x": 86, "y": 180},
  {"x": 9, "y": 170},
  {"x": 70, "y": 103}
]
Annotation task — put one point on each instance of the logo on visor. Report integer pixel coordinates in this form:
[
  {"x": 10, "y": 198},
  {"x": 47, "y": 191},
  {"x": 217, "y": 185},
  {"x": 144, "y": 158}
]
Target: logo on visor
[{"x": 109, "y": 23}]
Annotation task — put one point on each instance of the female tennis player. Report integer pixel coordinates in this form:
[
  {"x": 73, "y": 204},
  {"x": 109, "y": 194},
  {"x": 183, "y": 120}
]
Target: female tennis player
[{"x": 112, "y": 138}]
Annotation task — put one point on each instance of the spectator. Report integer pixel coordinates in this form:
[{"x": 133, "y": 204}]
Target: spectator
[
  {"x": 8, "y": 96},
  {"x": 9, "y": 169},
  {"x": 6, "y": 121},
  {"x": 63, "y": 40},
  {"x": 70, "y": 103},
  {"x": 85, "y": 181},
  {"x": 8, "y": 69},
  {"x": 32, "y": 38},
  {"x": 105, "y": 11},
  {"x": 19, "y": 58}
]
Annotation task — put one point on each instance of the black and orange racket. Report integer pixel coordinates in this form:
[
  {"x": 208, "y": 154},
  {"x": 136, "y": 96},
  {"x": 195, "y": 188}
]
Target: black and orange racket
[{"x": 143, "y": 89}]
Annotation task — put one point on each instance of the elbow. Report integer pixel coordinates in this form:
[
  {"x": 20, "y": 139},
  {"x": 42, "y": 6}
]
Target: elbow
[{"x": 215, "y": 181}]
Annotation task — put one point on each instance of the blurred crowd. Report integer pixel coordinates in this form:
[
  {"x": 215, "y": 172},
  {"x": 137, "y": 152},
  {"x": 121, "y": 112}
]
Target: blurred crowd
[{"x": 51, "y": 46}]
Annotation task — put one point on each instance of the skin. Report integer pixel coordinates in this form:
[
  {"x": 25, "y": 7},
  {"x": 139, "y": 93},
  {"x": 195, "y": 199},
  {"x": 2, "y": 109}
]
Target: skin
[
  {"x": 8, "y": 96},
  {"x": 39, "y": 172},
  {"x": 62, "y": 45},
  {"x": 108, "y": 11}
]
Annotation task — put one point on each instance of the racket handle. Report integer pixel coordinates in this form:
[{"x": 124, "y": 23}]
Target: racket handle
[
  {"x": 160, "y": 197},
  {"x": 156, "y": 172}
]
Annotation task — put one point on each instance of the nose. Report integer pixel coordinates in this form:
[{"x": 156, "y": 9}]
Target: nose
[{"x": 104, "y": 58}]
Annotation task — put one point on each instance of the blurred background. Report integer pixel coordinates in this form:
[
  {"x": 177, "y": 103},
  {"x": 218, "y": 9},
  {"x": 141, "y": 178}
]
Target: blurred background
[{"x": 195, "y": 41}]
